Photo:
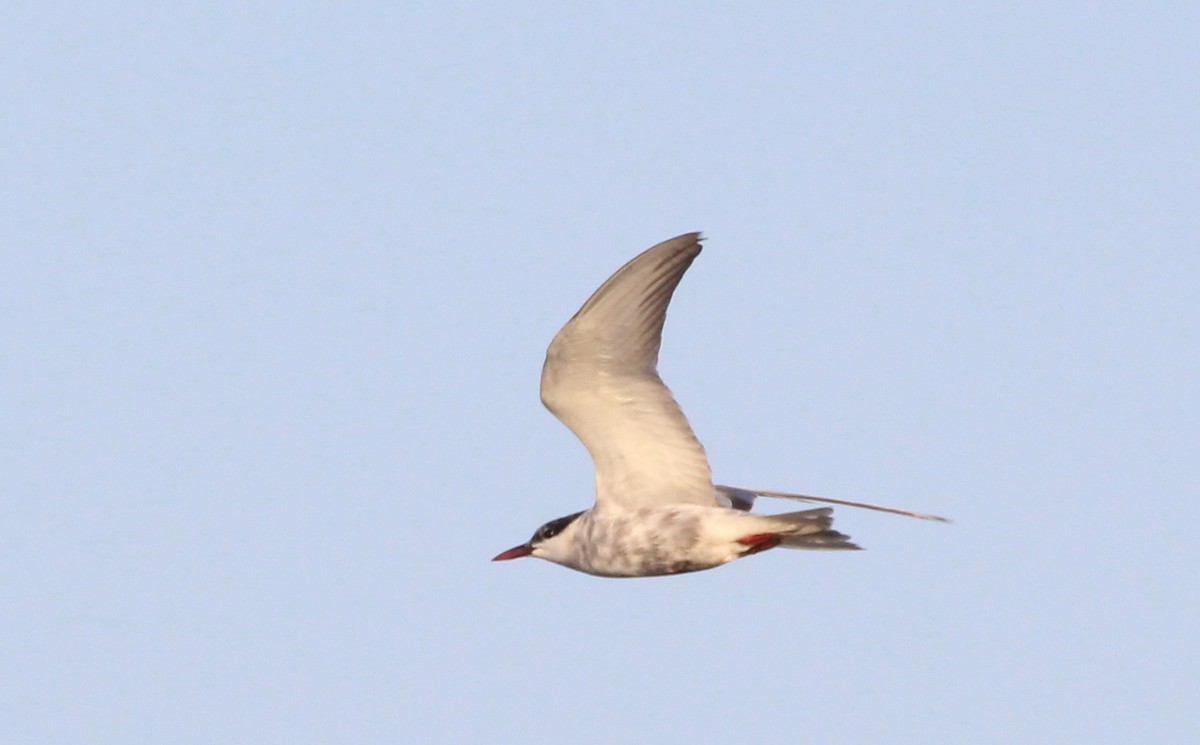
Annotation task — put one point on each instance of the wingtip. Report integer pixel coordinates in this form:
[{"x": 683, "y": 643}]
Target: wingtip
[
  {"x": 691, "y": 240},
  {"x": 932, "y": 518},
  {"x": 843, "y": 502}
]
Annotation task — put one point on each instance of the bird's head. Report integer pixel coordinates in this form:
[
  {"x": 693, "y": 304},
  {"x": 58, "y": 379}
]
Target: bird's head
[{"x": 552, "y": 542}]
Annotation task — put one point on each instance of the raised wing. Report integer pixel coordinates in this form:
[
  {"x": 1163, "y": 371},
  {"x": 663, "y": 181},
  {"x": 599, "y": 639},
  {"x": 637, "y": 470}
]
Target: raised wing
[{"x": 601, "y": 380}]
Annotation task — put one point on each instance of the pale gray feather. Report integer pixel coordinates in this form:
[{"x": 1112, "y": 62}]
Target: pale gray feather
[
  {"x": 743, "y": 499},
  {"x": 601, "y": 380}
]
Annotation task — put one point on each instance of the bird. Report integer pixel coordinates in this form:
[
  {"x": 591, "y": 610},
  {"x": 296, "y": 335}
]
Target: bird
[{"x": 657, "y": 511}]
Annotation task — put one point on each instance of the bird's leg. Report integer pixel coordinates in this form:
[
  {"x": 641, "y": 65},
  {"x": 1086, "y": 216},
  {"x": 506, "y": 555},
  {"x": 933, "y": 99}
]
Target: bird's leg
[{"x": 759, "y": 542}]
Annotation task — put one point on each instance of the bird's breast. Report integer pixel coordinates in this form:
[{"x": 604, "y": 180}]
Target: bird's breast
[{"x": 644, "y": 542}]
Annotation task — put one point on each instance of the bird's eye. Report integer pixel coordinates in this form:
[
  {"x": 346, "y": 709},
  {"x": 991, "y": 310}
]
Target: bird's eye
[{"x": 554, "y": 527}]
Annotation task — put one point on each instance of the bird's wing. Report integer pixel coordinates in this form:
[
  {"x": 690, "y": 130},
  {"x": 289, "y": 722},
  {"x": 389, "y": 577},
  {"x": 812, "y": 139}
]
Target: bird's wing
[
  {"x": 743, "y": 499},
  {"x": 601, "y": 380}
]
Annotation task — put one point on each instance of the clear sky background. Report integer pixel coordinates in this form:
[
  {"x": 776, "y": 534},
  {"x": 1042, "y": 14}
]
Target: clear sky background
[{"x": 278, "y": 280}]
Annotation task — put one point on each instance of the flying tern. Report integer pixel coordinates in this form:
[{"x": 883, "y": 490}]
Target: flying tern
[{"x": 657, "y": 510}]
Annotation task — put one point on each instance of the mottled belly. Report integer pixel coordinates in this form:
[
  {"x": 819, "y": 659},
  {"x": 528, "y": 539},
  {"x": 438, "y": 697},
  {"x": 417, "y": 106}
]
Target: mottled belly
[{"x": 645, "y": 543}]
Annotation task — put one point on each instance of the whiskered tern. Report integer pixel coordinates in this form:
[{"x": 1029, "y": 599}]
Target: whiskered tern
[{"x": 657, "y": 510}]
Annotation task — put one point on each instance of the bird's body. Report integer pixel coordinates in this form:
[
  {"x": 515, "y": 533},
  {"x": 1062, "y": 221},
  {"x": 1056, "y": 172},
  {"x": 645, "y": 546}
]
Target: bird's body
[
  {"x": 672, "y": 539},
  {"x": 657, "y": 510}
]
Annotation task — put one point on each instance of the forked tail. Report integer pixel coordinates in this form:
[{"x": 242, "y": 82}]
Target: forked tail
[{"x": 811, "y": 529}]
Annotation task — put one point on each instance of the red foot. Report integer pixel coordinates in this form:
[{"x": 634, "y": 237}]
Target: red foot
[{"x": 759, "y": 542}]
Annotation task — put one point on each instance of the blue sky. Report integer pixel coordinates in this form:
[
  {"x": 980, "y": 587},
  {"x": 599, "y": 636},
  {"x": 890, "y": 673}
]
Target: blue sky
[{"x": 278, "y": 280}]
